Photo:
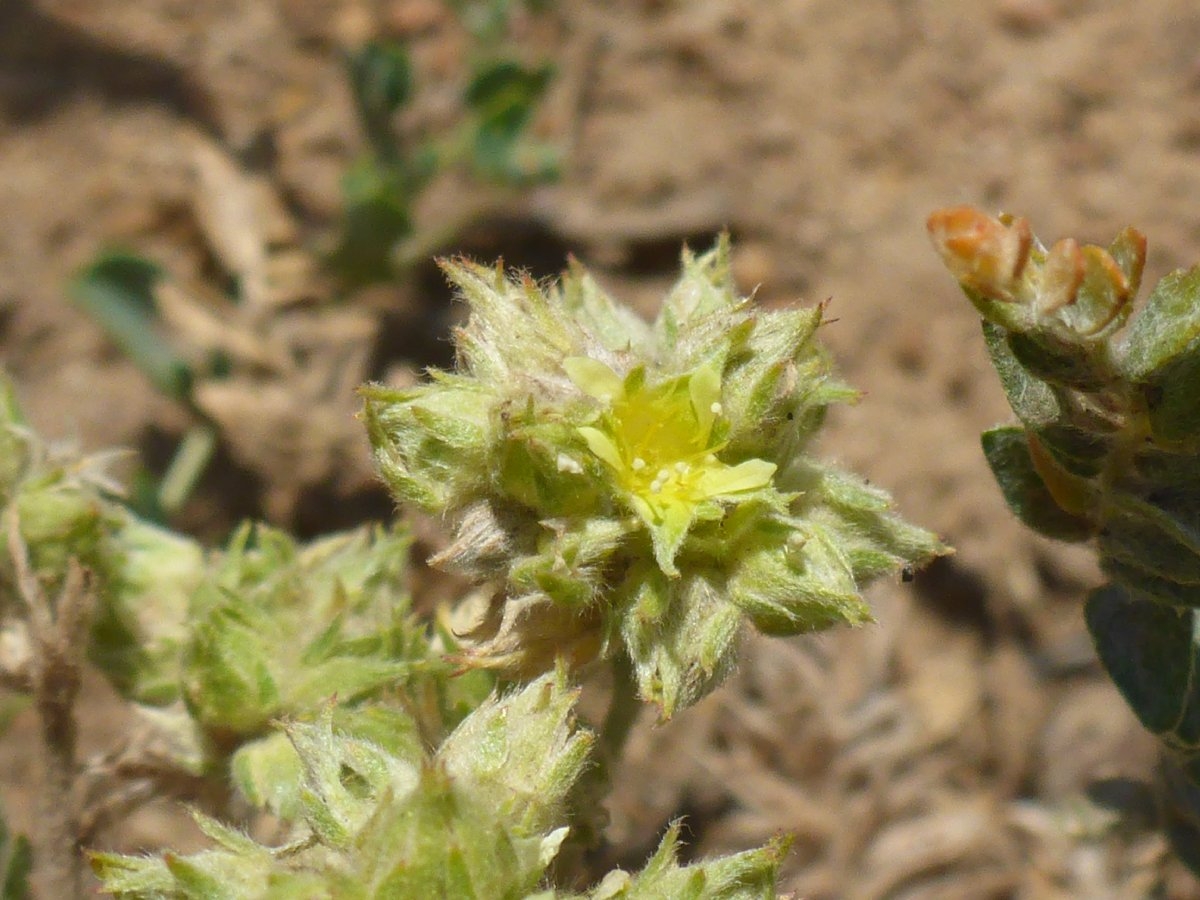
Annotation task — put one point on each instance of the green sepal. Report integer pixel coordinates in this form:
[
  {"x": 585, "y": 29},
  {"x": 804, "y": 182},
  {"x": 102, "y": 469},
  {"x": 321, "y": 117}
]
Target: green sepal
[
  {"x": 522, "y": 754},
  {"x": 347, "y": 677},
  {"x": 701, "y": 304},
  {"x": 762, "y": 379},
  {"x": 750, "y": 875},
  {"x": 141, "y": 620},
  {"x": 615, "y": 327},
  {"x": 61, "y": 517},
  {"x": 133, "y": 877},
  {"x": 570, "y": 563},
  {"x": 859, "y": 518},
  {"x": 793, "y": 578},
  {"x": 681, "y": 635},
  {"x": 268, "y": 772},
  {"x": 443, "y": 842},
  {"x": 514, "y": 330},
  {"x": 543, "y": 465},
  {"x": 1007, "y": 452},
  {"x": 431, "y": 442},
  {"x": 226, "y": 668},
  {"x": 196, "y": 878}
]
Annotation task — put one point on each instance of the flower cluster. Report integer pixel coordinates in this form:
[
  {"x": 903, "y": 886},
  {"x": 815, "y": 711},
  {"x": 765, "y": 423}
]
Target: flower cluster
[{"x": 625, "y": 487}]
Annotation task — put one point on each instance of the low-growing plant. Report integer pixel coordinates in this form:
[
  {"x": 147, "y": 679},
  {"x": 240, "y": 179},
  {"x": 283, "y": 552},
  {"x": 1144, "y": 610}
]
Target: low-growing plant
[
  {"x": 620, "y": 493},
  {"x": 1107, "y": 451},
  {"x": 282, "y": 323}
]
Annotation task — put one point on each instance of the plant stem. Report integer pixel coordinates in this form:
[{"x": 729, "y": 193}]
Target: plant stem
[
  {"x": 57, "y": 852},
  {"x": 623, "y": 711},
  {"x": 57, "y": 632}
]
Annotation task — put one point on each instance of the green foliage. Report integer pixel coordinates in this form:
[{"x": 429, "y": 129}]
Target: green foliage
[
  {"x": 266, "y": 628},
  {"x": 620, "y": 490},
  {"x": 57, "y": 502},
  {"x": 1008, "y": 453},
  {"x": 491, "y": 139},
  {"x": 482, "y": 817},
  {"x": 381, "y": 82},
  {"x": 1108, "y": 447},
  {"x": 376, "y": 239},
  {"x": 117, "y": 290},
  {"x": 16, "y": 863},
  {"x": 743, "y": 876},
  {"x": 637, "y": 488},
  {"x": 503, "y": 96},
  {"x": 141, "y": 626}
]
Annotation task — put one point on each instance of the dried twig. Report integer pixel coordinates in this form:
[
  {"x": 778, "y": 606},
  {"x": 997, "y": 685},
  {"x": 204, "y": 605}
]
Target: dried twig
[{"x": 115, "y": 784}]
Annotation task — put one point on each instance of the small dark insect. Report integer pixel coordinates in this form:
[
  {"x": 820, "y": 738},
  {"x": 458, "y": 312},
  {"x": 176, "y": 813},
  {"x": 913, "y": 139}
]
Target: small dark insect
[{"x": 907, "y": 574}]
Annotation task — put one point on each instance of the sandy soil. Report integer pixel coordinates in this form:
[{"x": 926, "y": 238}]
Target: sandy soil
[{"x": 965, "y": 746}]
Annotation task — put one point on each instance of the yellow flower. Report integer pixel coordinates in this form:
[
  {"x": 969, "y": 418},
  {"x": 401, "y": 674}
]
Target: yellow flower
[{"x": 661, "y": 445}]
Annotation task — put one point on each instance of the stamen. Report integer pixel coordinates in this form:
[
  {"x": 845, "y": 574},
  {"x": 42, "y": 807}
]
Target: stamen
[{"x": 567, "y": 464}]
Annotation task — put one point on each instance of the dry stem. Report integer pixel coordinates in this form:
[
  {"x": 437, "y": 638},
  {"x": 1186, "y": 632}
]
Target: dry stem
[{"x": 57, "y": 632}]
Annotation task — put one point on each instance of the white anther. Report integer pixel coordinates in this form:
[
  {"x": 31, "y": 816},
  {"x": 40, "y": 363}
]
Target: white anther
[{"x": 567, "y": 464}]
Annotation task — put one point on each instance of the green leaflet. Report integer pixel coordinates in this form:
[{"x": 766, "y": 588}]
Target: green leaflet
[
  {"x": 1007, "y": 452},
  {"x": 1150, "y": 651}
]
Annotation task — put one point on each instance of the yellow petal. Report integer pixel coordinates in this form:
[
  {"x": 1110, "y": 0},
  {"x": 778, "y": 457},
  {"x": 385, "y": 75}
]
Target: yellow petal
[
  {"x": 705, "y": 389},
  {"x": 601, "y": 444},
  {"x": 747, "y": 476},
  {"x": 593, "y": 377}
]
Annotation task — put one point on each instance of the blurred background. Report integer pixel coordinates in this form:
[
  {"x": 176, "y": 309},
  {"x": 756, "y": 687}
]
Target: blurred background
[{"x": 220, "y": 217}]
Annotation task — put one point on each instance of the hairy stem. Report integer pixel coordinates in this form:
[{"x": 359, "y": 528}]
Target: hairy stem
[
  {"x": 58, "y": 833},
  {"x": 57, "y": 631},
  {"x": 623, "y": 711}
]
